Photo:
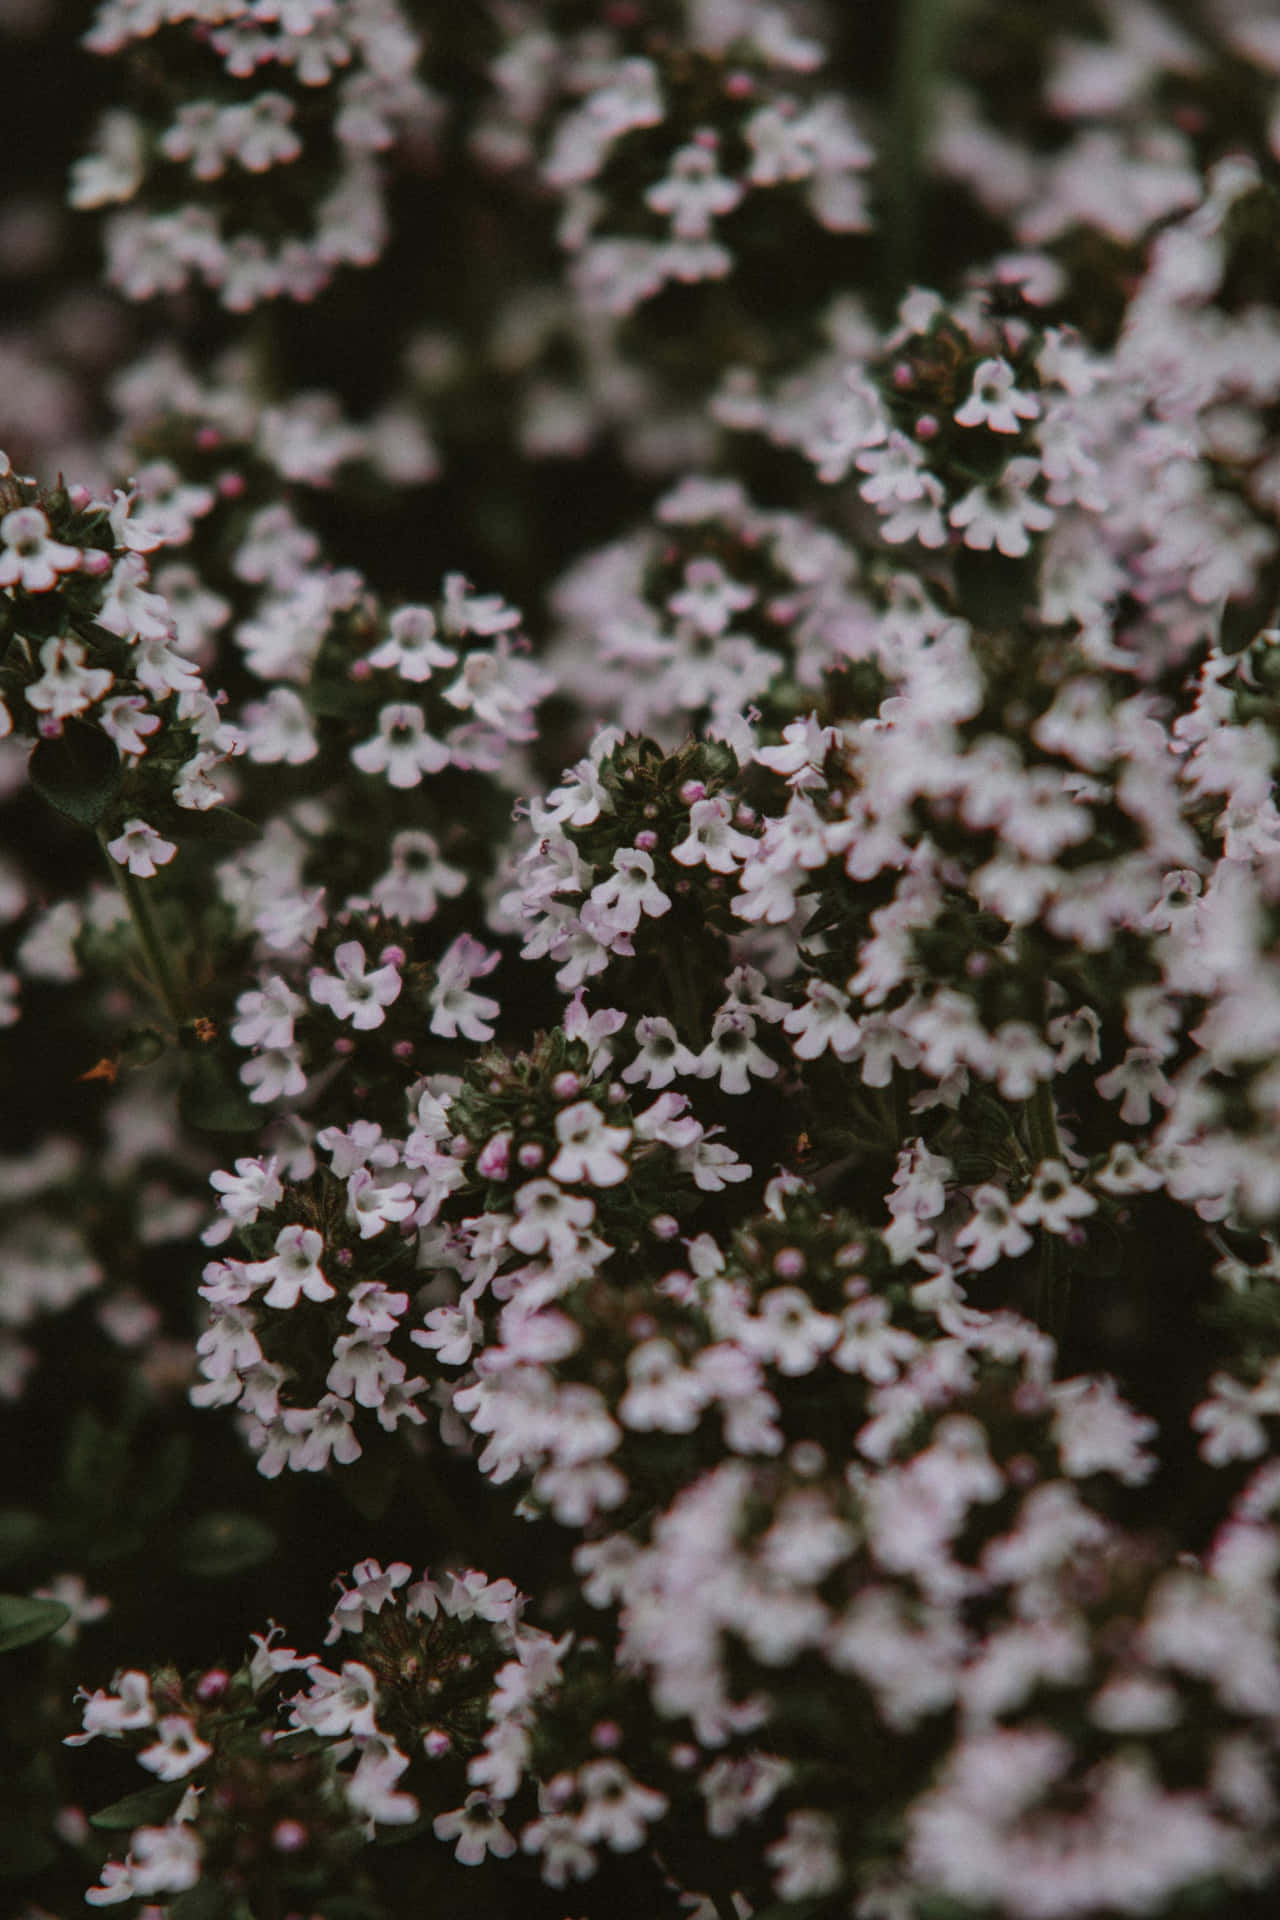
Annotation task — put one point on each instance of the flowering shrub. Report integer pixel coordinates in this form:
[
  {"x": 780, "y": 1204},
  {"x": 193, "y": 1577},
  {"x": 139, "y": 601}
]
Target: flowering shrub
[{"x": 639, "y": 708}]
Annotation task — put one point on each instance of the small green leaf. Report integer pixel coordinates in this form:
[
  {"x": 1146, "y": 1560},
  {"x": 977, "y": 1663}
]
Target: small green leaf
[
  {"x": 21, "y": 1532},
  {"x": 218, "y": 1544},
  {"x": 23, "y": 1621},
  {"x": 79, "y": 774},
  {"x": 150, "y": 1807}
]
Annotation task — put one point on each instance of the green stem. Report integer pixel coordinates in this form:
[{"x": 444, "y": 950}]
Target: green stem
[
  {"x": 1051, "y": 1300},
  {"x": 1042, "y": 1125},
  {"x": 160, "y": 970},
  {"x": 919, "y": 50}
]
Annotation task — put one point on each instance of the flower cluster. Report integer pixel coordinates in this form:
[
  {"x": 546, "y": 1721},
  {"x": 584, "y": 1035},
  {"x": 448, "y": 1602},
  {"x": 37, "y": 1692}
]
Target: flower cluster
[{"x": 641, "y": 943}]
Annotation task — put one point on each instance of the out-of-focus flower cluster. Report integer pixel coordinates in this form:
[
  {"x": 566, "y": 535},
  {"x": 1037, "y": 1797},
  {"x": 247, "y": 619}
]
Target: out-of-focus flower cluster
[{"x": 649, "y": 958}]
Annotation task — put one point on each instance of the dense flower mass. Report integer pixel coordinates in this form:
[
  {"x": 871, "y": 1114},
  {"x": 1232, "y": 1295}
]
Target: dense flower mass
[{"x": 639, "y": 713}]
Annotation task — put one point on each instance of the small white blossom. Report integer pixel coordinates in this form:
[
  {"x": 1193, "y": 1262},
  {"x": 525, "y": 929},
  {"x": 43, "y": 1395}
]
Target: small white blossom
[
  {"x": 141, "y": 849},
  {"x": 354, "y": 994},
  {"x": 995, "y": 401}
]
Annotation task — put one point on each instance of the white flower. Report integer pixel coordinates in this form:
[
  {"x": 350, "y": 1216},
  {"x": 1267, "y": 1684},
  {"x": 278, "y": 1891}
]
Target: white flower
[
  {"x": 279, "y": 728},
  {"x": 29, "y": 558},
  {"x": 995, "y": 402},
  {"x": 66, "y": 686},
  {"x": 694, "y": 191},
  {"x": 375, "y": 1585},
  {"x": 466, "y": 611},
  {"x": 410, "y": 890},
  {"x": 823, "y": 1021},
  {"x": 402, "y": 748},
  {"x": 257, "y": 133},
  {"x": 632, "y": 892},
  {"x": 807, "y": 1858},
  {"x": 789, "y": 1332},
  {"x": 412, "y": 648},
  {"x": 993, "y": 1232},
  {"x": 616, "y": 1807},
  {"x": 164, "y": 1859},
  {"x": 141, "y": 849},
  {"x": 370, "y": 1789},
  {"x": 117, "y": 1884},
  {"x": 1097, "y": 1432},
  {"x": 455, "y": 1009},
  {"x": 477, "y": 1829},
  {"x": 662, "y": 1393},
  {"x": 589, "y": 1149},
  {"x": 372, "y": 1207},
  {"x": 661, "y": 1056},
  {"x": 316, "y": 1433},
  {"x": 1003, "y": 513},
  {"x": 127, "y": 1708},
  {"x": 275, "y": 1074},
  {"x": 127, "y": 720},
  {"x": 1053, "y": 1201},
  {"x": 177, "y": 1752},
  {"x": 732, "y": 1054},
  {"x": 1140, "y": 1079},
  {"x": 338, "y": 1704},
  {"x": 710, "y": 597},
  {"x": 352, "y": 994},
  {"x": 712, "y": 838},
  {"x": 293, "y": 1270},
  {"x": 267, "y": 1015},
  {"x": 549, "y": 1219}
]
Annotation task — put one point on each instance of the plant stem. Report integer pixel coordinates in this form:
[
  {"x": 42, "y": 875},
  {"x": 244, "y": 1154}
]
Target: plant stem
[
  {"x": 1042, "y": 1125},
  {"x": 920, "y": 39},
  {"x": 1052, "y": 1297},
  {"x": 160, "y": 971}
]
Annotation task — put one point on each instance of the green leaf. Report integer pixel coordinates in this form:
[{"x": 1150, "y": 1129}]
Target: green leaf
[
  {"x": 221, "y": 824},
  {"x": 218, "y": 1544},
  {"x": 21, "y": 1532},
  {"x": 23, "y": 1621},
  {"x": 79, "y": 774},
  {"x": 150, "y": 1807}
]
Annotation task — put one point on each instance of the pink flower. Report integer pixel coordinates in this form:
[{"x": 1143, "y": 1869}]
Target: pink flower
[{"x": 141, "y": 849}]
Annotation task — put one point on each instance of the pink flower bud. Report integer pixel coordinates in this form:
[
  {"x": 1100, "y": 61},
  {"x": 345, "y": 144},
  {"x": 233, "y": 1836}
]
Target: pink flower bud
[{"x": 495, "y": 1160}]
